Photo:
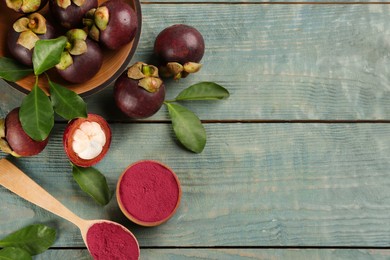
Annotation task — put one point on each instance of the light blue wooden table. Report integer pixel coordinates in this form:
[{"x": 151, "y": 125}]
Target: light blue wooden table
[{"x": 297, "y": 164}]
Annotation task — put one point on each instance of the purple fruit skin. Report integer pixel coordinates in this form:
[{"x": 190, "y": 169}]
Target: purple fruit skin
[
  {"x": 73, "y": 15},
  {"x": 122, "y": 25},
  {"x": 18, "y": 140},
  {"x": 179, "y": 43},
  {"x": 134, "y": 101},
  {"x": 21, "y": 53},
  {"x": 84, "y": 66}
]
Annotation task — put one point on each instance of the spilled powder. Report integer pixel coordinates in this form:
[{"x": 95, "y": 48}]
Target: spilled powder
[
  {"x": 109, "y": 241},
  {"x": 149, "y": 191}
]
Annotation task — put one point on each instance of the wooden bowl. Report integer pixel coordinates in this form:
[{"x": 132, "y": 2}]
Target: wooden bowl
[
  {"x": 148, "y": 193},
  {"x": 114, "y": 62}
]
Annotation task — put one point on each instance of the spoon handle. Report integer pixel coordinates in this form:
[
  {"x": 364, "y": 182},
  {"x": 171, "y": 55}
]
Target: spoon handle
[{"x": 19, "y": 183}]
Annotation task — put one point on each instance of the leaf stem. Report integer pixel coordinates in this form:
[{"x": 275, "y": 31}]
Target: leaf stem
[{"x": 36, "y": 80}]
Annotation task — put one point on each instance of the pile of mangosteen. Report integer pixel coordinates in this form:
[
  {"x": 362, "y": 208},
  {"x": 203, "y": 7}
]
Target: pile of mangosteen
[{"x": 91, "y": 28}]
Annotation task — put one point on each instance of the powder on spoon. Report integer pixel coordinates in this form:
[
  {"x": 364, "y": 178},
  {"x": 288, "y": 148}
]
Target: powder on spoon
[
  {"x": 148, "y": 192},
  {"x": 110, "y": 241}
]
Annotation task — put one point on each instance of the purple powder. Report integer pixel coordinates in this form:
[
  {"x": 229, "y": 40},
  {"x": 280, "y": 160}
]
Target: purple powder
[
  {"x": 149, "y": 191},
  {"x": 110, "y": 241}
]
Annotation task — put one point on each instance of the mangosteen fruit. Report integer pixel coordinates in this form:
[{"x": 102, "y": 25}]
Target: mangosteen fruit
[
  {"x": 25, "y": 32},
  {"x": 179, "y": 48},
  {"x": 113, "y": 24},
  {"x": 82, "y": 58},
  {"x": 139, "y": 92},
  {"x": 87, "y": 140},
  {"x": 26, "y": 6},
  {"x": 14, "y": 140},
  {"x": 70, "y": 13}
]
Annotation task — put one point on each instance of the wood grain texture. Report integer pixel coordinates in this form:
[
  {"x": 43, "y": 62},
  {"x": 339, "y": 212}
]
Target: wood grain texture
[
  {"x": 232, "y": 254},
  {"x": 254, "y": 185},
  {"x": 282, "y": 61},
  {"x": 321, "y": 62},
  {"x": 267, "y": 1}
]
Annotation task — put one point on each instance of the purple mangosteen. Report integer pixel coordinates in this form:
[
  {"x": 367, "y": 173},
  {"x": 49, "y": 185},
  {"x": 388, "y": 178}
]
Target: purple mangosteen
[
  {"x": 81, "y": 59},
  {"x": 70, "y": 13},
  {"x": 179, "y": 48},
  {"x": 139, "y": 92},
  {"x": 113, "y": 24},
  {"x": 25, "y": 32}
]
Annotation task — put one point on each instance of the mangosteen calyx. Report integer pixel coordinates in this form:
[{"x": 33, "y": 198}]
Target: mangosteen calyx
[
  {"x": 177, "y": 70},
  {"x": 65, "y": 3},
  {"x": 26, "y": 6},
  {"x": 29, "y": 27},
  {"x": 147, "y": 76},
  {"x": 4, "y": 146},
  {"x": 96, "y": 20},
  {"x": 76, "y": 41},
  {"x": 76, "y": 45}
]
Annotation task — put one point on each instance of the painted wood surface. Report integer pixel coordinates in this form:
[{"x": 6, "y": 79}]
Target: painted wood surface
[
  {"x": 283, "y": 62},
  {"x": 254, "y": 185},
  {"x": 258, "y": 183},
  {"x": 232, "y": 254}
]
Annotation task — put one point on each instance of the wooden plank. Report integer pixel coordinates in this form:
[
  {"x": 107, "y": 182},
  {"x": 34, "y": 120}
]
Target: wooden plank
[
  {"x": 268, "y": 1},
  {"x": 254, "y": 185},
  {"x": 283, "y": 62},
  {"x": 292, "y": 254}
]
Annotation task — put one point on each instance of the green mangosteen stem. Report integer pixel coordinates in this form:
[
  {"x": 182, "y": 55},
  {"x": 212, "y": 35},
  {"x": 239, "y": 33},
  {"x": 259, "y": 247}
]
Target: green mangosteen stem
[{"x": 149, "y": 70}]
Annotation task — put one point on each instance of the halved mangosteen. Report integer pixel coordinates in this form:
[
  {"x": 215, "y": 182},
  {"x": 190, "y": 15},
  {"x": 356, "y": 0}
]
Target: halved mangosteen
[{"x": 87, "y": 140}]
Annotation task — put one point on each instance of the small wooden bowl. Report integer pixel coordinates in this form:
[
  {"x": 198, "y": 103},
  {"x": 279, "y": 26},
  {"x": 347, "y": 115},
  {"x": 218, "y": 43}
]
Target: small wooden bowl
[
  {"x": 148, "y": 193},
  {"x": 114, "y": 62}
]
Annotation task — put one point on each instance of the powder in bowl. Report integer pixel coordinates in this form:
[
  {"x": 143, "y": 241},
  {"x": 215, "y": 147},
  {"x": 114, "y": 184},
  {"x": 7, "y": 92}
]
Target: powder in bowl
[
  {"x": 109, "y": 241},
  {"x": 148, "y": 193}
]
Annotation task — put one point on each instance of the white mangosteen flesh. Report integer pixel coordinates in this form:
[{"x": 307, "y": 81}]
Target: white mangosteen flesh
[{"x": 88, "y": 140}]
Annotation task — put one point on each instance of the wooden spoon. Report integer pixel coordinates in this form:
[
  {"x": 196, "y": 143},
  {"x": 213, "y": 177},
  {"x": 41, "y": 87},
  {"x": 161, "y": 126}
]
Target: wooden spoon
[{"x": 19, "y": 183}]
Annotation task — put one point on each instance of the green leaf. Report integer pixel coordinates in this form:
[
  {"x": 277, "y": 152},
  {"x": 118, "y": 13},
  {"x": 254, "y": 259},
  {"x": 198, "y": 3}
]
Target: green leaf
[
  {"x": 187, "y": 127},
  {"x": 203, "y": 91},
  {"x": 36, "y": 114},
  {"x": 12, "y": 70},
  {"x": 47, "y": 54},
  {"x": 35, "y": 239},
  {"x": 66, "y": 102},
  {"x": 93, "y": 183},
  {"x": 14, "y": 253}
]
